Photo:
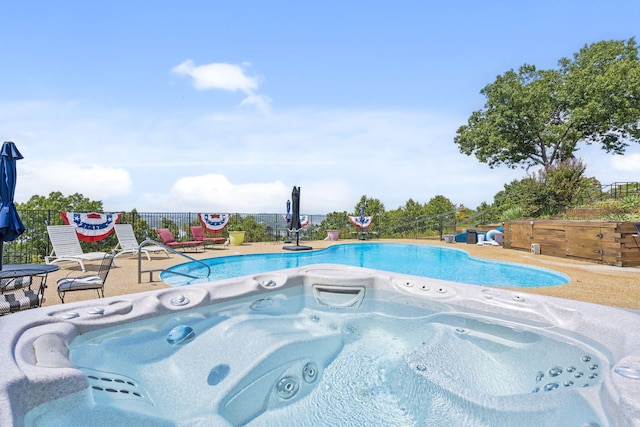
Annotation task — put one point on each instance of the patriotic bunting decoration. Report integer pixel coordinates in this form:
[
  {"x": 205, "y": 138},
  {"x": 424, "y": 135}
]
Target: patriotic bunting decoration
[
  {"x": 92, "y": 226},
  {"x": 304, "y": 220},
  {"x": 361, "y": 221},
  {"x": 214, "y": 223}
]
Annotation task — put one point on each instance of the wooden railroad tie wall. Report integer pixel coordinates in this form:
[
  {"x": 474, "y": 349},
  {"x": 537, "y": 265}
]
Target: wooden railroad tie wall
[{"x": 613, "y": 243}]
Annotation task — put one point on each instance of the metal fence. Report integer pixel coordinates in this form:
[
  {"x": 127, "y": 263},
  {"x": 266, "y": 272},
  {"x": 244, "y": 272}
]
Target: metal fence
[{"x": 33, "y": 245}]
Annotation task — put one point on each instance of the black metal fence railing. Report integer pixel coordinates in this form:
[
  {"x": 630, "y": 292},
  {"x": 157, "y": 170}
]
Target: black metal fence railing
[
  {"x": 619, "y": 190},
  {"x": 33, "y": 245},
  {"x": 427, "y": 227},
  {"x": 616, "y": 190}
]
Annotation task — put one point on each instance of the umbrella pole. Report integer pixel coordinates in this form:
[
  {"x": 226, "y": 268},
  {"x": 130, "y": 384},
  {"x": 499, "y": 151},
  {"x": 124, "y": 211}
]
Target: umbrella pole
[{"x": 1, "y": 253}]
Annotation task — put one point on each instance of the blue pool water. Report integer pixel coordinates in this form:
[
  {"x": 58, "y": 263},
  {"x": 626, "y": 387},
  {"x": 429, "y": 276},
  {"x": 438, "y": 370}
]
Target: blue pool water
[{"x": 420, "y": 260}]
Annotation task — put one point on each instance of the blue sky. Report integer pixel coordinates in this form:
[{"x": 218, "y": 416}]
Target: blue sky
[{"x": 224, "y": 106}]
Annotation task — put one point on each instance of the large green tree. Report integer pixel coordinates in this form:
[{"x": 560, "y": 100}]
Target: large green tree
[
  {"x": 372, "y": 207},
  {"x": 538, "y": 117},
  {"x": 40, "y": 211},
  {"x": 548, "y": 191},
  {"x": 56, "y": 201}
]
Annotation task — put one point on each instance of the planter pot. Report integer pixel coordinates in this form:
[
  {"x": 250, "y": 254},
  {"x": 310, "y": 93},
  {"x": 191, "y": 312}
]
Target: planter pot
[
  {"x": 448, "y": 238},
  {"x": 333, "y": 234},
  {"x": 236, "y": 238}
]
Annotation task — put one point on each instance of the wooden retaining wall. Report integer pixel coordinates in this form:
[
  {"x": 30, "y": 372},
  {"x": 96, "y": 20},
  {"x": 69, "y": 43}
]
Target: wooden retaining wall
[{"x": 613, "y": 243}]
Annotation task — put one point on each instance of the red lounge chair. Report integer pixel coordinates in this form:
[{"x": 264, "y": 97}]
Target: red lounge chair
[
  {"x": 198, "y": 234},
  {"x": 168, "y": 240}
]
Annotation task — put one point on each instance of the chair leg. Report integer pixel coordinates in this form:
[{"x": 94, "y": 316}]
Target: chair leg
[{"x": 61, "y": 295}]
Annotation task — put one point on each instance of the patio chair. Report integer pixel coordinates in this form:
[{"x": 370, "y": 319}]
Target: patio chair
[
  {"x": 168, "y": 240},
  {"x": 128, "y": 244},
  {"x": 197, "y": 231},
  {"x": 21, "y": 293},
  {"x": 88, "y": 281},
  {"x": 66, "y": 247}
]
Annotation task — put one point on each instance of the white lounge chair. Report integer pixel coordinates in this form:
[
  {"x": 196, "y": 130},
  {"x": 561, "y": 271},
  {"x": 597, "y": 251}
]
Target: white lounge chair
[
  {"x": 87, "y": 282},
  {"x": 128, "y": 244},
  {"x": 66, "y": 247}
]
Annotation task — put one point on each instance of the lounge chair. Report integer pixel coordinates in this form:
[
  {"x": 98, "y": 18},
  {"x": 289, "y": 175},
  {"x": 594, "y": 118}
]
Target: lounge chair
[
  {"x": 128, "y": 244},
  {"x": 21, "y": 293},
  {"x": 168, "y": 240},
  {"x": 66, "y": 247},
  {"x": 197, "y": 232},
  {"x": 87, "y": 281}
]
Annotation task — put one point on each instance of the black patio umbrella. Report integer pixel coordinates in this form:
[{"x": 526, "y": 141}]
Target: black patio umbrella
[
  {"x": 295, "y": 210},
  {"x": 11, "y": 225},
  {"x": 295, "y": 224}
]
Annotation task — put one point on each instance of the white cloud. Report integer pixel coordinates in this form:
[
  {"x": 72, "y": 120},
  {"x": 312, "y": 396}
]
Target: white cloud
[
  {"x": 227, "y": 77},
  {"x": 214, "y": 192},
  {"x": 41, "y": 177},
  {"x": 261, "y": 102},
  {"x": 627, "y": 163}
]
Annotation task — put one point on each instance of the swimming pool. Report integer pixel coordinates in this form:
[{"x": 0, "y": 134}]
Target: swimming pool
[
  {"x": 420, "y": 260},
  {"x": 322, "y": 345}
]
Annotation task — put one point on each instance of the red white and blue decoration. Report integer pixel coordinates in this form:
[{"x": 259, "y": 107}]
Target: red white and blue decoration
[
  {"x": 361, "y": 221},
  {"x": 304, "y": 220},
  {"x": 92, "y": 226},
  {"x": 214, "y": 223}
]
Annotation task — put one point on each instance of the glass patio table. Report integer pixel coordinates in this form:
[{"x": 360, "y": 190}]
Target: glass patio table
[{"x": 16, "y": 270}]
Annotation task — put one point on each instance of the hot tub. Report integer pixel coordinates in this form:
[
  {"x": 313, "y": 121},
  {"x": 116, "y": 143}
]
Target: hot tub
[{"x": 322, "y": 345}]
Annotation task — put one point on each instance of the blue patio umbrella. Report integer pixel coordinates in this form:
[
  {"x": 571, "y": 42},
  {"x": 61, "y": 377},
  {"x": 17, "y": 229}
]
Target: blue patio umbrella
[
  {"x": 288, "y": 217},
  {"x": 11, "y": 225},
  {"x": 362, "y": 214}
]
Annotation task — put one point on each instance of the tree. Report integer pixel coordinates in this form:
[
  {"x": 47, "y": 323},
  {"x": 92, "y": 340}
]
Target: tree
[
  {"x": 437, "y": 209},
  {"x": 57, "y": 202},
  {"x": 439, "y": 205},
  {"x": 549, "y": 191},
  {"x": 372, "y": 207},
  {"x": 538, "y": 117},
  {"x": 335, "y": 221},
  {"x": 44, "y": 211}
]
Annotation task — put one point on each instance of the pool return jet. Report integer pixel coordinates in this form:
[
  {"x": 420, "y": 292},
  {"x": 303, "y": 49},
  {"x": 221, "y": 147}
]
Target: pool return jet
[{"x": 295, "y": 224}]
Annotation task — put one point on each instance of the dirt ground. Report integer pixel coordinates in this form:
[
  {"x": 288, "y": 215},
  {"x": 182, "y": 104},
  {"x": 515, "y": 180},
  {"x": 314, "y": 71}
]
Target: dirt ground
[{"x": 599, "y": 284}]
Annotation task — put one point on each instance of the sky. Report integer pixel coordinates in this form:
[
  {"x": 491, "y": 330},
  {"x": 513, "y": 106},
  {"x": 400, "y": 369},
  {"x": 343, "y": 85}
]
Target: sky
[{"x": 212, "y": 106}]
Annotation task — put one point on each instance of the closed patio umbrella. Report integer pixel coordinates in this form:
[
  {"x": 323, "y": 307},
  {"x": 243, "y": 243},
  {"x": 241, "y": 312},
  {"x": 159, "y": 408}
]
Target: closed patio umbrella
[
  {"x": 295, "y": 225},
  {"x": 11, "y": 225},
  {"x": 288, "y": 217}
]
